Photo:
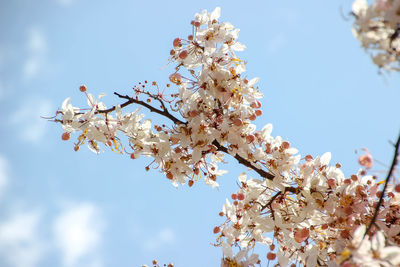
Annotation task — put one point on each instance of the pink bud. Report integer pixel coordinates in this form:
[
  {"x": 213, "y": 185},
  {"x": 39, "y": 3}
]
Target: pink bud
[
  {"x": 309, "y": 158},
  {"x": 177, "y": 42},
  {"x": 366, "y": 160},
  {"x": 258, "y": 112},
  {"x": 183, "y": 54},
  {"x": 250, "y": 138},
  {"x": 285, "y": 145},
  {"x": 253, "y": 117},
  {"x": 238, "y": 122},
  {"x": 397, "y": 188},
  {"x": 255, "y": 104},
  {"x": 65, "y": 136},
  {"x": 271, "y": 256}
]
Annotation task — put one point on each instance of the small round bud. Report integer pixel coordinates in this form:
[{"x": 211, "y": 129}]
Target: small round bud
[
  {"x": 190, "y": 37},
  {"x": 133, "y": 156},
  {"x": 285, "y": 145},
  {"x": 309, "y": 158},
  {"x": 183, "y": 54},
  {"x": 216, "y": 230},
  {"x": 354, "y": 177},
  {"x": 221, "y": 214},
  {"x": 271, "y": 256},
  {"x": 255, "y": 104},
  {"x": 177, "y": 42},
  {"x": 238, "y": 122},
  {"x": 197, "y": 24},
  {"x": 272, "y": 247},
  {"x": 234, "y": 196},
  {"x": 258, "y": 112},
  {"x": 240, "y": 196},
  {"x": 190, "y": 183},
  {"x": 65, "y": 136},
  {"x": 397, "y": 188},
  {"x": 169, "y": 175},
  {"x": 76, "y": 148},
  {"x": 253, "y": 117},
  {"x": 82, "y": 88},
  {"x": 250, "y": 138}
]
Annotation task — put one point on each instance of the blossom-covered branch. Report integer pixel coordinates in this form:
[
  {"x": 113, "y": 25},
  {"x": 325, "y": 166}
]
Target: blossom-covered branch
[
  {"x": 377, "y": 26},
  {"x": 304, "y": 210}
]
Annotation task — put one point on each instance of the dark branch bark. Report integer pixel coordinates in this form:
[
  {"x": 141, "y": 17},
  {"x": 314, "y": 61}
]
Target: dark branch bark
[
  {"x": 151, "y": 108},
  {"x": 389, "y": 175},
  {"x": 244, "y": 162},
  {"x": 165, "y": 113}
]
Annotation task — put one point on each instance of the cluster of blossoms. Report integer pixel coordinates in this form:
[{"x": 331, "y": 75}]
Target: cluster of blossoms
[
  {"x": 305, "y": 206},
  {"x": 377, "y": 26}
]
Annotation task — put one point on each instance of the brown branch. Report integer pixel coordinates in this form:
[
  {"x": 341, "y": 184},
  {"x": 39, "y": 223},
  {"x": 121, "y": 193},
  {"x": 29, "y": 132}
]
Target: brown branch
[
  {"x": 245, "y": 162},
  {"x": 389, "y": 175},
  {"x": 142, "y": 103},
  {"x": 240, "y": 159}
]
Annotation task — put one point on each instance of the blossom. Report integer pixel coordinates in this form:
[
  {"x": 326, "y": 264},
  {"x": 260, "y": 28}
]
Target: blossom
[{"x": 306, "y": 205}]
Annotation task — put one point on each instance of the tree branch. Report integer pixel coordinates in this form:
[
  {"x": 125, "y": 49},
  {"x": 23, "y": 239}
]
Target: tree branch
[
  {"x": 245, "y": 162},
  {"x": 394, "y": 163},
  {"x": 131, "y": 100},
  {"x": 165, "y": 113}
]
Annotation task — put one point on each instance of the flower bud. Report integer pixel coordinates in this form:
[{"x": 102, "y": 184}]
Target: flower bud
[
  {"x": 177, "y": 42},
  {"x": 65, "y": 136}
]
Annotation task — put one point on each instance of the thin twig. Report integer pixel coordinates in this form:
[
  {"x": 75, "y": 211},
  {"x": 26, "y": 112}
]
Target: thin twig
[
  {"x": 394, "y": 163},
  {"x": 245, "y": 162},
  {"x": 240, "y": 159}
]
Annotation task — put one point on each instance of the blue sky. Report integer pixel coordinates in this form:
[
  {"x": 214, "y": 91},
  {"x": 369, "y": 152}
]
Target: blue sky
[{"x": 62, "y": 208}]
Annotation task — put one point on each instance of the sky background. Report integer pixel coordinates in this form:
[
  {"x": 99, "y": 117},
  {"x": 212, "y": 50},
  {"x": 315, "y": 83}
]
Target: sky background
[{"x": 63, "y": 208}]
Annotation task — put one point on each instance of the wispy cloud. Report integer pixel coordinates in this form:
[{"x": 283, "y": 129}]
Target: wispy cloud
[
  {"x": 164, "y": 237},
  {"x": 78, "y": 231},
  {"x": 30, "y": 126},
  {"x": 3, "y": 174},
  {"x": 37, "y": 48},
  {"x": 20, "y": 245}
]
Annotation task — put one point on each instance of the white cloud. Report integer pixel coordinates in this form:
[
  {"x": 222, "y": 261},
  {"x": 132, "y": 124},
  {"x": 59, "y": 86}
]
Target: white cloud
[
  {"x": 77, "y": 233},
  {"x": 164, "y": 237},
  {"x": 37, "y": 48},
  {"x": 31, "y": 127},
  {"x": 20, "y": 245},
  {"x": 3, "y": 174}
]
